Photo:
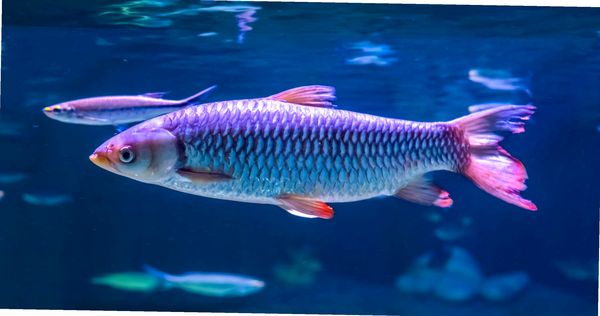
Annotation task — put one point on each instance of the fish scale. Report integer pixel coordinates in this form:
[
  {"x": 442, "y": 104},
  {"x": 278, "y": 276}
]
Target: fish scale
[{"x": 278, "y": 148}]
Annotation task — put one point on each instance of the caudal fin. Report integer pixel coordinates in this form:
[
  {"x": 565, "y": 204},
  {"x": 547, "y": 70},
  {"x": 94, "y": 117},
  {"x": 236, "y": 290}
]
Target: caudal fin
[
  {"x": 491, "y": 167},
  {"x": 196, "y": 97}
]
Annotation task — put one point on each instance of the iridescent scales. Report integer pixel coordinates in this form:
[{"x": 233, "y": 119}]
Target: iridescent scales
[{"x": 294, "y": 150}]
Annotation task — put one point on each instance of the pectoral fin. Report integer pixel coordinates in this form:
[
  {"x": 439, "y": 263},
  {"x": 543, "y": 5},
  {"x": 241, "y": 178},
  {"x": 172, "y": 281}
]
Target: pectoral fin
[
  {"x": 203, "y": 176},
  {"x": 317, "y": 96},
  {"x": 421, "y": 191},
  {"x": 305, "y": 207}
]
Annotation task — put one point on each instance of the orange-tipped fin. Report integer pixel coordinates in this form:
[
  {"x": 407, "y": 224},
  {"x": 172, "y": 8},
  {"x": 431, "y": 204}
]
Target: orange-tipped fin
[
  {"x": 317, "y": 96},
  {"x": 305, "y": 207},
  {"x": 421, "y": 191}
]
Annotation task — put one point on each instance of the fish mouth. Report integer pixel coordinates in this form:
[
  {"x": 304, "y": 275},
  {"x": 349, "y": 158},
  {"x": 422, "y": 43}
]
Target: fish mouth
[
  {"x": 101, "y": 161},
  {"x": 49, "y": 111}
]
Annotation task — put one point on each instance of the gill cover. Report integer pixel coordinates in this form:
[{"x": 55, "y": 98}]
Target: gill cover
[{"x": 144, "y": 153}]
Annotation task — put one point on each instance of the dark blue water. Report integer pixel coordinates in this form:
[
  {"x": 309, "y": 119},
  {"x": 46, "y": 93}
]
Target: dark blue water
[{"x": 422, "y": 56}]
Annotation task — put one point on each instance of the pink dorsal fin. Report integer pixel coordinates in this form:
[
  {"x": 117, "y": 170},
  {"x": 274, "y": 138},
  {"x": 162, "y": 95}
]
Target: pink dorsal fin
[
  {"x": 317, "y": 96},
  {"x": 421, "y": 191},
  {"x": 305, "y": 207}
]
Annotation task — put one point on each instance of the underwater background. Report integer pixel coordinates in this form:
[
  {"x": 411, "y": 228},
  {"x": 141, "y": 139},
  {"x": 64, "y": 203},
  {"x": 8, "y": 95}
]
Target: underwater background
[{"x": 64, "y": 222}]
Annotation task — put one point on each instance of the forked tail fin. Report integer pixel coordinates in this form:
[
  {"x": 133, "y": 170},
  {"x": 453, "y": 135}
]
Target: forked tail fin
[{"x": 491, "y": 167}]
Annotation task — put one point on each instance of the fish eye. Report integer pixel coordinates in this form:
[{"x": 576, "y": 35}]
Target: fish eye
[{"x": 126, "y": 155}]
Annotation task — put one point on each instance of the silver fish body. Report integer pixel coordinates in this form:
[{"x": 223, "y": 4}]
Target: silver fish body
[
  {"x": 117, "y": 110},
  {"x": 294, "y": 150},
  {"x": 208, "y": 283},
  {"x": 271, "y": 148}
]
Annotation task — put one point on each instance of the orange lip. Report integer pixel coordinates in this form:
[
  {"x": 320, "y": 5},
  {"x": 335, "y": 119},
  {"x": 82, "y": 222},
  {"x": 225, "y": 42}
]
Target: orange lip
[{"x": 100, "y": 160}]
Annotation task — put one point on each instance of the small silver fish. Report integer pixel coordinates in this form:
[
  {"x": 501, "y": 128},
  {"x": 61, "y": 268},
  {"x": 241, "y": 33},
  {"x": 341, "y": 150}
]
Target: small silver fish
[
  {"x": 209, "y": 284},
  {"x": 117, "y": 110}
]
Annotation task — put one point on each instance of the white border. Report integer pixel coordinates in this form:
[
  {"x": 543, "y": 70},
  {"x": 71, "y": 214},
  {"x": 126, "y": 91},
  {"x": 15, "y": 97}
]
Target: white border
[
  {"x": 47, "y": 312},
  {"x": 545, "y": 3}
]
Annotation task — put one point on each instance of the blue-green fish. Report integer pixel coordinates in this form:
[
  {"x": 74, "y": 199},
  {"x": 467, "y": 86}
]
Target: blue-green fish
[{"x": 209, "y": 284}]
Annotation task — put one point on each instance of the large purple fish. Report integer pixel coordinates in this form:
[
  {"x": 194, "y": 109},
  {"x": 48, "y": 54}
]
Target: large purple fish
[{"x": 295, "y": 151}]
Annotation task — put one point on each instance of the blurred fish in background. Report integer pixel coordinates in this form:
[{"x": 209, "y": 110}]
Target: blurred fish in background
[
  {"x": 370, "y": 53},
  {"x": 46, "y": 198},
  {"x": 301, "y": 269},
  {"x": 11, "y": 177},
  {"x": 128, "y": 281},
  {"x": 499, "y": 80},
  {"x": 455, "y": 275},
  {"x": 208, "y": 283},
  {"x": 578, "y": 270}
]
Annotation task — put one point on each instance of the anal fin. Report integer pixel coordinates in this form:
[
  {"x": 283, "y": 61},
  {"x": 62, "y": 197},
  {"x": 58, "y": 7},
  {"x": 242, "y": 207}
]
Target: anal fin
[
  {"x": 421, "y": 191},
  {"x": 317, "y": 96},
  {"x": 305, "y": 207},
  {"x": 203, "y": 176}
]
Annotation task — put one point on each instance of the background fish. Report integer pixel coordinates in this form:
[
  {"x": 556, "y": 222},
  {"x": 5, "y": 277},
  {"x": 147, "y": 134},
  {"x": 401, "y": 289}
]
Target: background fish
[
  {"x": 128, "y": 281},
  {"x": 10, "y": 177},
  {"x": 115, "y": 110},
  {"x": 293, "y": 150},
  {"x": 46, "y": 199},
  {"x": 209, "y": 284}
]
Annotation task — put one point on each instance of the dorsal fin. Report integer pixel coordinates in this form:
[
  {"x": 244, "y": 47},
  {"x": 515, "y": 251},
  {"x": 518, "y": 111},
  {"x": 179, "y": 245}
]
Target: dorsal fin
[{"x": 317, "y": 96}]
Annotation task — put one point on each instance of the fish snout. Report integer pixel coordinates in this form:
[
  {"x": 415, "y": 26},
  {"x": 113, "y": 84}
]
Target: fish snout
[
  {"x": 53, "y": 109},
  {"x": 56, "y": 111},
  {"x": 100, "y": 159}
]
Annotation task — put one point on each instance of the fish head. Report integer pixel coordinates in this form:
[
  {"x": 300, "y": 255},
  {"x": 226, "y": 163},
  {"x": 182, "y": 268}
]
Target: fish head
[
  {"x": 61, "y": 112},
  {"x": 144, "y": 152}
]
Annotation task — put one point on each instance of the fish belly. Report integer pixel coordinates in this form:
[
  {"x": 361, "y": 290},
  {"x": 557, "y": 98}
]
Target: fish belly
[{"x": 270, "y": 148}]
